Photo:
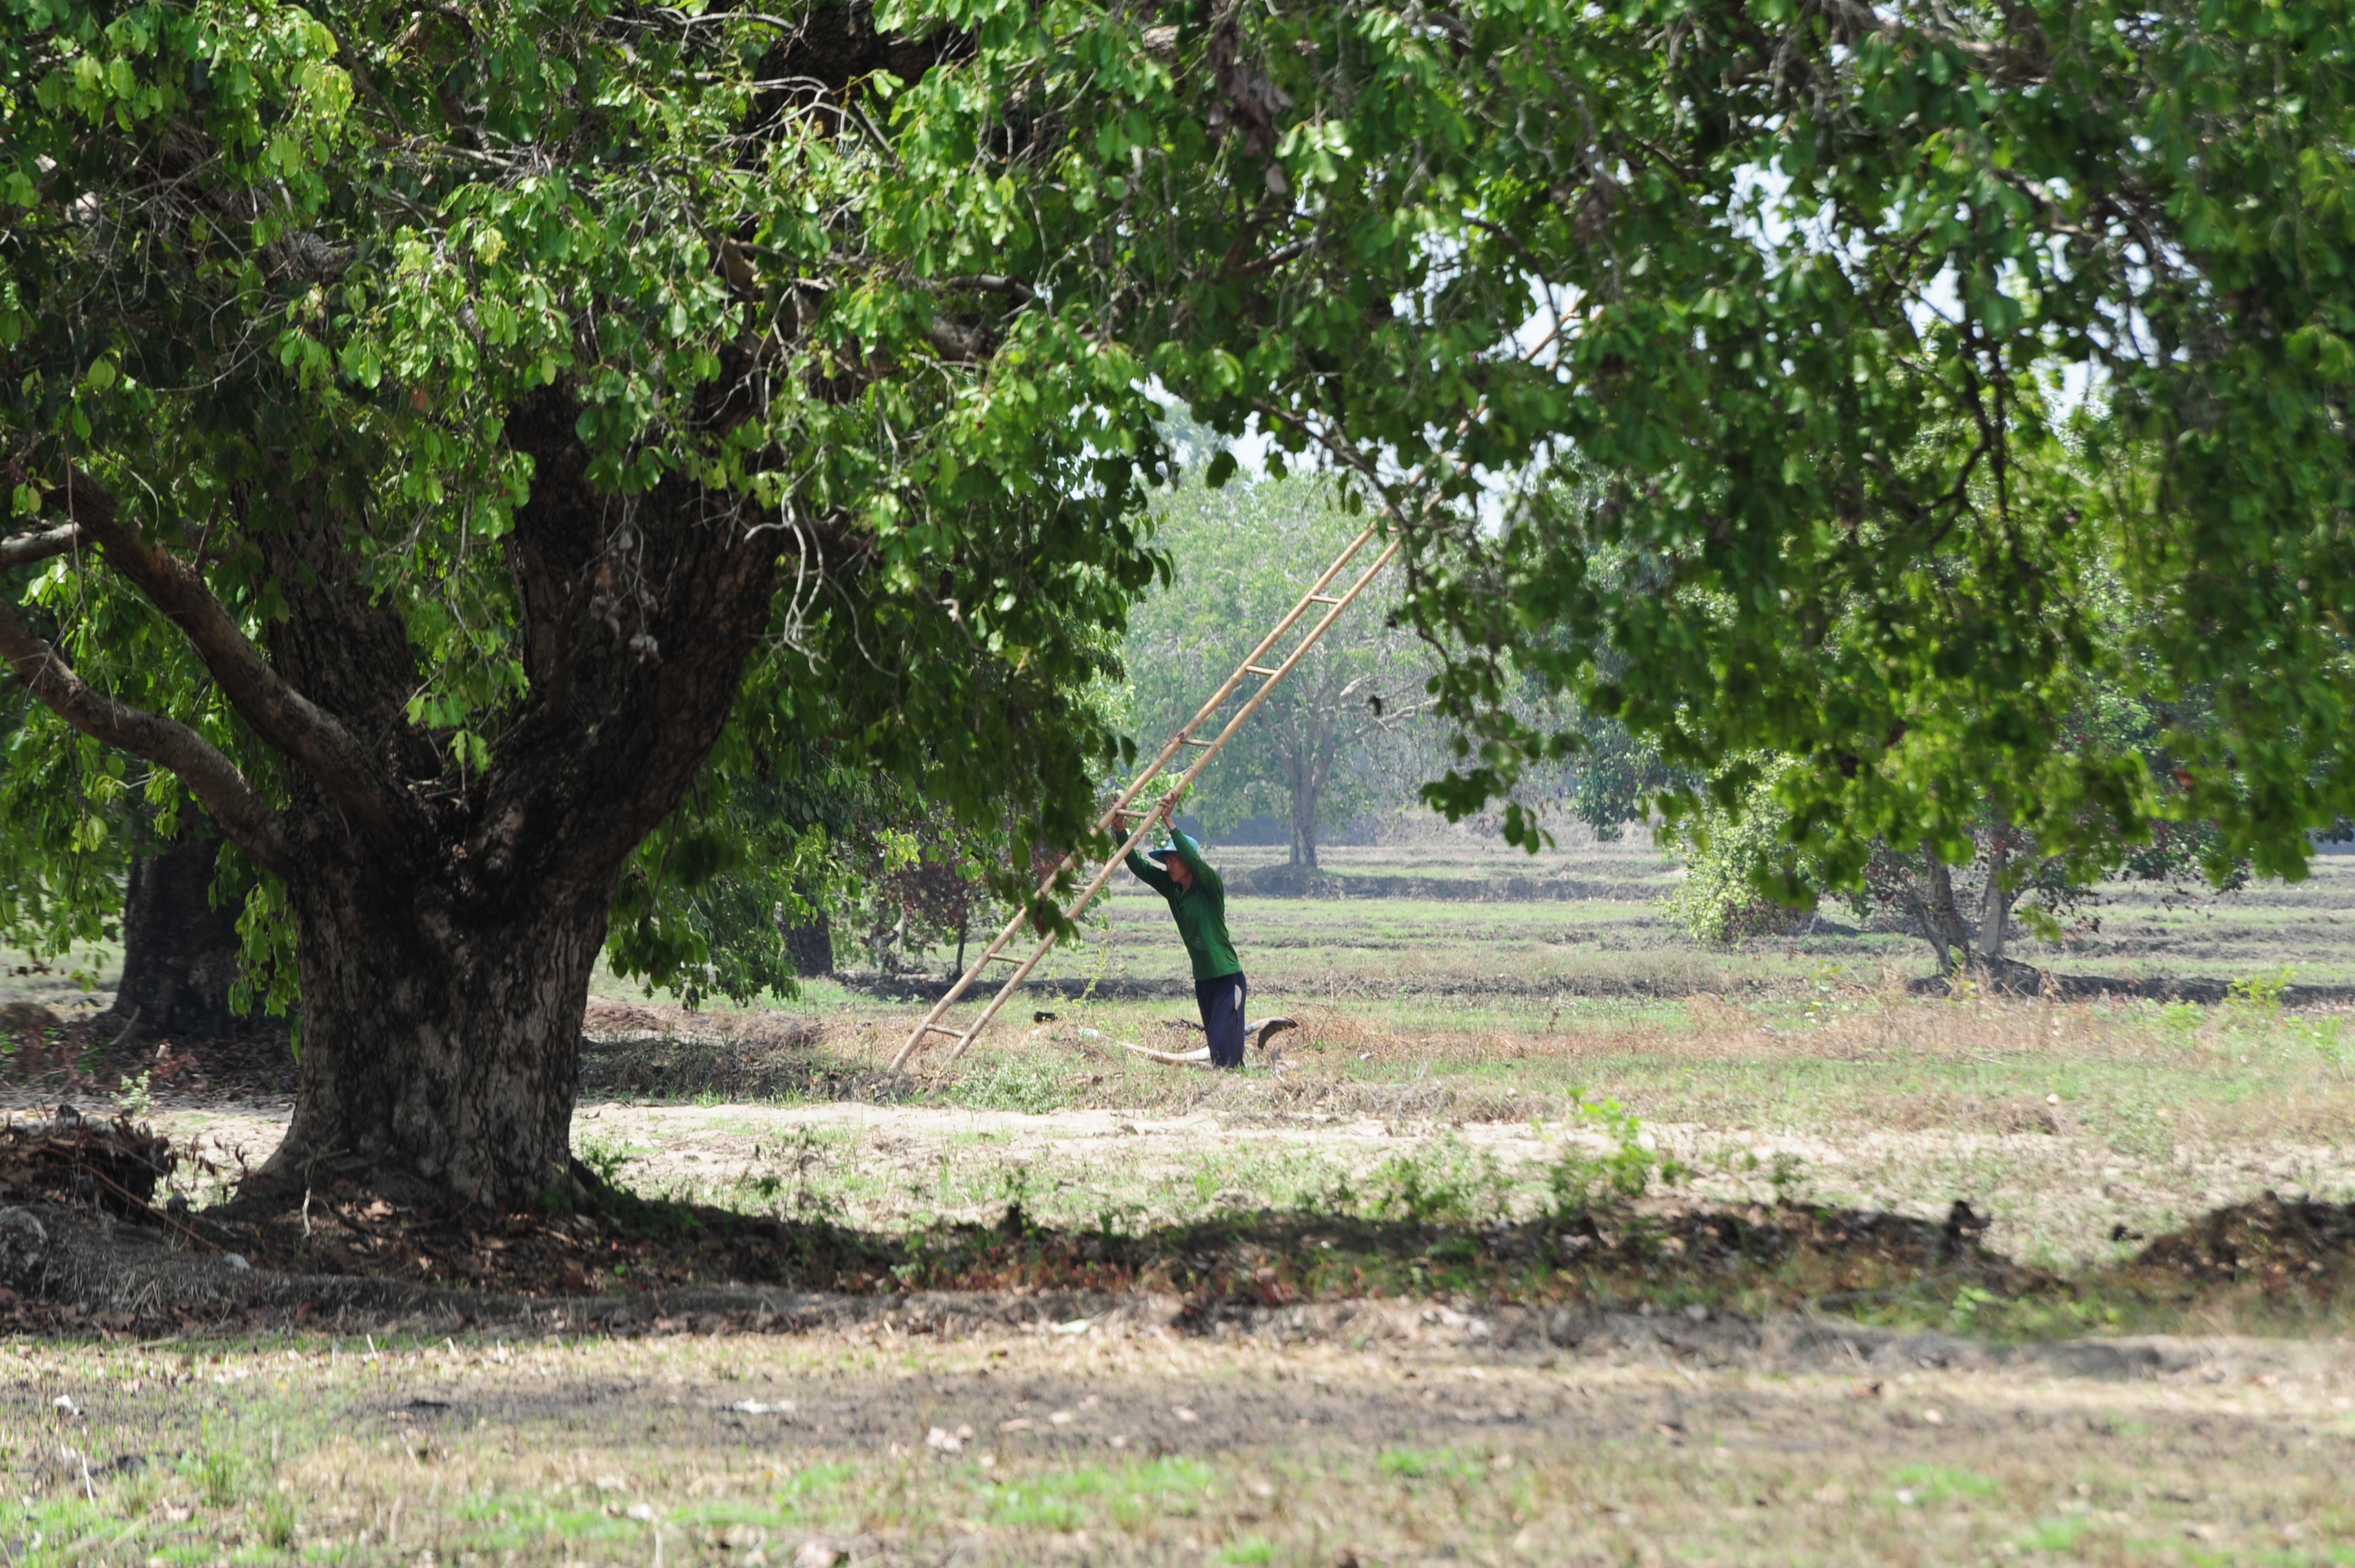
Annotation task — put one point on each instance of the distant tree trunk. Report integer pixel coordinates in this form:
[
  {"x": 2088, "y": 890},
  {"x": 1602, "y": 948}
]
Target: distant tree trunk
[
  {"x": 1307, "y": 769},
  {"x": 1994, "y": 904},
  {"x": 1919, "y": 913},
  {"x": 180, "y": 954},
  {"x": 1952, "y": 938},
  {"x": 812, "y": 947}
]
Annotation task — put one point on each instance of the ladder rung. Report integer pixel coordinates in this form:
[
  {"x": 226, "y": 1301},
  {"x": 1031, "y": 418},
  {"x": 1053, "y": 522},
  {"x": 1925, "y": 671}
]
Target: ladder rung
[
  {"x": 938, "y": 1028},
  {"x": 1191, "y": 741},
  {"x": 999, "y": 958},
  {"x": 1256, "y": 669},
  {"x": 1322, "y": 599}
]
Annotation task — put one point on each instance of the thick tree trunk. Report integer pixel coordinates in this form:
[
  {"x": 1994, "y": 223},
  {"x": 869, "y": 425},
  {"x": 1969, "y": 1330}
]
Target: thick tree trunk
[
  {"x": 180, "y": 955},
  {"x": 445, "y": 952},
  {"x": 447, "y": 915},
  {"x": 442, "y": 1048}
]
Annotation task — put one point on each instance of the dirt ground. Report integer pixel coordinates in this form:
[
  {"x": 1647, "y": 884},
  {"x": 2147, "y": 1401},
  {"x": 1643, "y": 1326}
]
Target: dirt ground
[
  {"x": 653, "y": 1426},
  {"x": 2058, "y": 1197},
  {"x": 1101, "y": 1444}
]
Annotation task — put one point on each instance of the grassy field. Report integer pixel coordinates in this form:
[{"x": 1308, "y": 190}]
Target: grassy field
[
  {"x": 1451, "y": 1055},
  {"x": 1141, "y": 1446}
]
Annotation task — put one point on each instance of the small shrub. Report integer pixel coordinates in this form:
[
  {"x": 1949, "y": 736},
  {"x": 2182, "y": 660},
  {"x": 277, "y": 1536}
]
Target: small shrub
[
  {"x": 2262, "y": 992},
  {"x": 278, "y": 1523},
  {"x": 1444, "y": 1183},
  {"x": 605, "y": 1158},
  {"x": 2324, "y": 1035},
  {"x": 1962, "y": 1317},
  {"x": 1734, "y": 852},
  {"x": 216, "y": 1477},
  {"x": 1578, "y": 1179}
]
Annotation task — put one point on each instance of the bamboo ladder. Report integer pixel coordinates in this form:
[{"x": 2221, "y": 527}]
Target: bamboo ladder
[{"x": 1269, "y": 676}]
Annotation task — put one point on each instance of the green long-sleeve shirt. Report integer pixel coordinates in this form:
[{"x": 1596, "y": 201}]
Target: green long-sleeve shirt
[{"x": 1201, "y": 909}]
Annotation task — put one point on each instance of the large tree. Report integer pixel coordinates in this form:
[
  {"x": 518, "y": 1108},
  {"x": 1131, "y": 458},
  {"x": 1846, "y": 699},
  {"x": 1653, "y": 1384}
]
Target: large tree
[{"x": 421, "y": 420}]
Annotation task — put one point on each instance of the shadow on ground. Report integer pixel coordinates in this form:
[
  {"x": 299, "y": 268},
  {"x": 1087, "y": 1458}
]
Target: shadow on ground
[{"x": 83, "y": 1248}]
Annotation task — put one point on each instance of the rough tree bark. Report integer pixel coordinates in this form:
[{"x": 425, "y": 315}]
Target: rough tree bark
[
  {"x": 445, "y": 966},
  {"x": 446, "y": 923}
]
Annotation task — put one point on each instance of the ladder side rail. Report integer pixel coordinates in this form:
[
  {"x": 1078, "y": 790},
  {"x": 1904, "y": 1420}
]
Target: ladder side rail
[
  {"x": 1095, "y": 884},
  {"x": 1177, "y": 743},
  {"x": 1122, "y": 802},
  {"x": 1307, "y": 643},
  {"x": 1291, "y": 619},
  {"x": 1087, "y": 895},
  {"x": 965, "y": 983},
  {"x": 1242, "y": 673}
]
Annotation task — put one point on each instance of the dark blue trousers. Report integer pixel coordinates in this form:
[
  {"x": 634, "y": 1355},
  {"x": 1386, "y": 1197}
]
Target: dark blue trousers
[{"x": 1222, "y": 1001}]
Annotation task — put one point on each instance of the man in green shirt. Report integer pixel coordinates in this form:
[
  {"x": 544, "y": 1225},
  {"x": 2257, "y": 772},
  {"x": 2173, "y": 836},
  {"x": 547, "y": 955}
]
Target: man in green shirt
[{"x": 1199, "y": 901}]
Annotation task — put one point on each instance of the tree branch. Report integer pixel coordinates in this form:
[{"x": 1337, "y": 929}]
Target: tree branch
[
  {"x": 311, "y": 737},
  {"x": 26, "y": 548},
  {"x": 211, "y": 777}
]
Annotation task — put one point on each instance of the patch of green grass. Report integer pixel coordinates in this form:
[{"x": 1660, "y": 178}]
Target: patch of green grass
[
  {"x": 218, "y": 1475},
  {"x": 1028, "y": 1083},
  {"x": 1065, "y": 1500},
  {"x": 1429, "y": 1463},
  {"x": 2055, "y": 1535},
  {"x": 1941, "y": 1483},
  {"x": 279, "y": 1522},
  {"x": 1251, "y": 1549}
]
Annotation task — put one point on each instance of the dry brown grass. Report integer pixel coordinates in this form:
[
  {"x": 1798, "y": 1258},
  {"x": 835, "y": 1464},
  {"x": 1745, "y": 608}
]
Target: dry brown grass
[{"x": 1120, "y": 1448}]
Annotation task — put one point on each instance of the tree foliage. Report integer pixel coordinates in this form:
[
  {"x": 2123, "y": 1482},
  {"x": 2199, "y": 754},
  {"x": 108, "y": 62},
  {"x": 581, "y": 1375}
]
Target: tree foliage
[
  {"x": 281, "y": 282},
  {"x": 1750, "y": 870}
]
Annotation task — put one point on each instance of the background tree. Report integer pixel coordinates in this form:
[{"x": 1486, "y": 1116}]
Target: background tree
[
  {"x": 804, "y": 863},
  {"x": 89, "y": 861},
  {"x": 1313, "y": 753},
  {"x": 1749, "y": 873}
]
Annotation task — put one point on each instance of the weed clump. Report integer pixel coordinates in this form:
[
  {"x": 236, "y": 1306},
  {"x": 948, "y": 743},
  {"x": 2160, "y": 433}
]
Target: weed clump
[{"x": 1627, "y": 1170}]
